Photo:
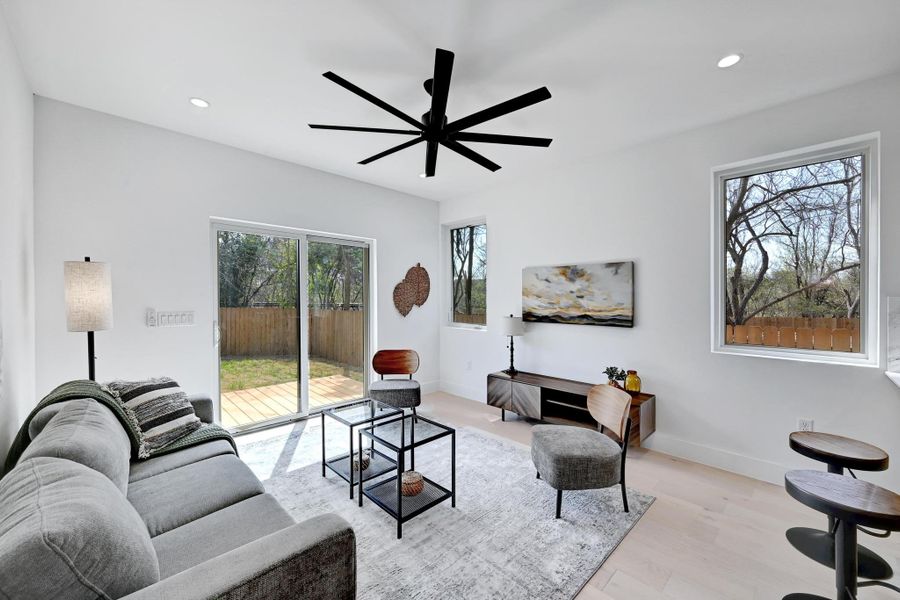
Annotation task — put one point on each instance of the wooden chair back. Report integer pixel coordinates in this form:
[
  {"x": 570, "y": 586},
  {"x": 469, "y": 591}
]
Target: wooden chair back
[
  {"x": 610, "y": 407},
  {"x": 395, "y": 362}
]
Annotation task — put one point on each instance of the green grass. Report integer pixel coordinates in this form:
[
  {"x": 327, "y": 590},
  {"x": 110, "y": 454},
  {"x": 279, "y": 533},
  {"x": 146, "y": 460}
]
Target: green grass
[{"x": 245, "y": 373}]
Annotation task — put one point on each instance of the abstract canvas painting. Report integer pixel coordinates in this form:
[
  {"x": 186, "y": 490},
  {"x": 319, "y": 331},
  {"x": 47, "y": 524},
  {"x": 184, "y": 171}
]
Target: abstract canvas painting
[{"x": 588, "y": 294}]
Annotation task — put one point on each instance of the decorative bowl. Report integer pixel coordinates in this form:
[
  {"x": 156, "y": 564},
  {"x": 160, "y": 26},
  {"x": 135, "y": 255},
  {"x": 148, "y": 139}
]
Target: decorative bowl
[
  {"x": 412, "y": 483},
  {"x": 366, "y": 459}
]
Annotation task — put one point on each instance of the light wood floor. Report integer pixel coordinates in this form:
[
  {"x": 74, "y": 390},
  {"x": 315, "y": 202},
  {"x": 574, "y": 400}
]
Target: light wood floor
[
  {"x": 245, "y": 407},
  {"x": 709, "y": 535}
]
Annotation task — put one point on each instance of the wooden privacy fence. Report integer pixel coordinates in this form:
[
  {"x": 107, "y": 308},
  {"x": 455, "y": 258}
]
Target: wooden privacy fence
[
  {"x": 818, "y": 333},
  {"x": 335, "y": 335},
  {"x": 477, "y": 319}
]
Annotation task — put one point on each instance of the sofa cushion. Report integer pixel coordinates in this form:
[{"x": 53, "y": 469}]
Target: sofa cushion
[
  {"x": 67, "y": 532},
  {"x": 217, "y": 533},
  {"x": 88, "y": 433},
  {"x": 142, "y": 469},
  {"x": 182, "y": 495}
]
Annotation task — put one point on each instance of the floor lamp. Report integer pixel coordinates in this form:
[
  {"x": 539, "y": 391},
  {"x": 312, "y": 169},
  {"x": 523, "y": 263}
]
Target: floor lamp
[{"x": 88, "y": 301}]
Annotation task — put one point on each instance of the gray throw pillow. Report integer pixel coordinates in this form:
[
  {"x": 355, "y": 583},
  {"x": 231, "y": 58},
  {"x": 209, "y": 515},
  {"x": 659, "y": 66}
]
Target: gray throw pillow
[
  {"x": 161, "y": 408},
  {"x": 67, "y": 532},
  {"x": 88, "y": 433}
]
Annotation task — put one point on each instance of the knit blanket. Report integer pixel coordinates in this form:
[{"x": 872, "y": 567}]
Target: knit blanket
[{"x": 91, "y": 389}]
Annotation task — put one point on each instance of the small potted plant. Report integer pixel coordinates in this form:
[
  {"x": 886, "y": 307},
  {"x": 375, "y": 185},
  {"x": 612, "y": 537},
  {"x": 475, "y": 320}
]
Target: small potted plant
[{"x": 614, "y": 375}]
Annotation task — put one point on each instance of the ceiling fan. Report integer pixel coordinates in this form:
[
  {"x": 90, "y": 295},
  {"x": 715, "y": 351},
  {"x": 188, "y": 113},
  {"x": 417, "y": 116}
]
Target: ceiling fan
[{"x": 434, "y": 129}]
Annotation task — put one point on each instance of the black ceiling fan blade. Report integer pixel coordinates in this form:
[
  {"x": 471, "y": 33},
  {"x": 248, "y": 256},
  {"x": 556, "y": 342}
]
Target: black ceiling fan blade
[
  {"x": 365, "y": 129},
  {"x": 471, "y": 155},
  {"x": 376, "y": 101},
  {"x": 431, "y": 159},
  {"x": 397, "y": 148},
  {"x": 440, "y": 86},
  {"x": 496, "y": 138},
  {"x": 498, "y": 110}
]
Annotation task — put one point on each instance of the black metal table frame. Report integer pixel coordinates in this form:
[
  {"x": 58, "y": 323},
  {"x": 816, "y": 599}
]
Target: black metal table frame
[
  {"x": 400, "y": 467},
  {"x": 328, "y": 462}
]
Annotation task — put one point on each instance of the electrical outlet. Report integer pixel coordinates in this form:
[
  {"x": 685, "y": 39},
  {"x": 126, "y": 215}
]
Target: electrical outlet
[{"x": 805, "y": 425}]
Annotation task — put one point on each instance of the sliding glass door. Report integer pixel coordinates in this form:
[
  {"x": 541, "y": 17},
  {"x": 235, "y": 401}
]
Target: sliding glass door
[
  {"x": 259, "y": 337},
  {"x": 292, "y": 324},
  {"x": 338, "y": 309}
]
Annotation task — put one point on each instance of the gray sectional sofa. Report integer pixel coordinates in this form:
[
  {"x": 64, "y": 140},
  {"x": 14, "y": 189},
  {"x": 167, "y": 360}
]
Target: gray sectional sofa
[{"x": 78, "y": 519}]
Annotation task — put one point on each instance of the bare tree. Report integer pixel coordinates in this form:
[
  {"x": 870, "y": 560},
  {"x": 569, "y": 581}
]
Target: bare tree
[{"x": 802, "y": 220}]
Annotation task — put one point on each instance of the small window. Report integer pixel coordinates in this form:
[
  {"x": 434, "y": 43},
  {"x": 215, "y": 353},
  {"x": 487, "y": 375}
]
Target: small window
[
  {"x": 468, "y": 271},
  {"x": 795, "y": 256}
]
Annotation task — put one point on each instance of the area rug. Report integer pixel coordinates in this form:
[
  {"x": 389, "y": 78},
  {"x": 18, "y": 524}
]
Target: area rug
[{"x": 500, "y": 542}]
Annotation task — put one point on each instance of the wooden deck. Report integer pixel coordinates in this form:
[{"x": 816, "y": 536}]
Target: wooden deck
[{"x": 245, "y": 407}]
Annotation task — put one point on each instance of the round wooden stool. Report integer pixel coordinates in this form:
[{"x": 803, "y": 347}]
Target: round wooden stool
[
  {"x": 838, "y": 453},
  {"x": 851, "y": 503}
]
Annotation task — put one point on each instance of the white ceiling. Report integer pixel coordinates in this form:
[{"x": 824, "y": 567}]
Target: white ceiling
[{"x": 620, "y": 71}]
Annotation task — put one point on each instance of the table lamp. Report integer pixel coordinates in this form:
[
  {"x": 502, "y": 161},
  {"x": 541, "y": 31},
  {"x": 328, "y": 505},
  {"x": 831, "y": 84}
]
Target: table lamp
[
  {"x": 513, "y": 327},
  {"x": 88, "y": 301}
]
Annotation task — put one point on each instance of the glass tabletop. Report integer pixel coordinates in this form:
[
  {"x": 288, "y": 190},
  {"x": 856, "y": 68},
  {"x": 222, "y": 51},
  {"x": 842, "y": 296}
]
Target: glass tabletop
[
  {"x": 362, "y": 412},
  {"x": 402, "y": 433}
]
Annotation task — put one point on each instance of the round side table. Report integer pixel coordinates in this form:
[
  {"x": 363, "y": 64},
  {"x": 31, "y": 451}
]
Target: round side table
[
  {"x": 851, "y": 503},
  {"x": 838, "y": 453}
]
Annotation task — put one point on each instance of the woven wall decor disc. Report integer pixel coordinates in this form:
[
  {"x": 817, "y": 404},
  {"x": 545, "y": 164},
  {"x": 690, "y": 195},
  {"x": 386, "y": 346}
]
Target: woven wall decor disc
[
  {"x": 418, "y": 276},
  {"x": 404, "y": 297},
  {"x": 413, "y": 290}
]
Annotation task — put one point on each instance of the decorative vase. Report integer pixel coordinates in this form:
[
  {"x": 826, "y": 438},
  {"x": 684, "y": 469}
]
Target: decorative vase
[
  {"x": 366, "y": 459},
  {"x": 411, "y": 483},
  {"x": 632, "y": 382}
]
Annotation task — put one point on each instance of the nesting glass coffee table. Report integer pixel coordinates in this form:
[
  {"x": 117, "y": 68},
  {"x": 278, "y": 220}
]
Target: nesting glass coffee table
[
  {"x": 365, "y": 412},
  {"x": 401, "y": 435}
]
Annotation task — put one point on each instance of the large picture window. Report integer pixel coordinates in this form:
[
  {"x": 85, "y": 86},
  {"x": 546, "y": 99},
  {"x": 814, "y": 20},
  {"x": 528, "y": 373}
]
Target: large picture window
[
  {"x": 468, "y": 271},
  {"x": 795, "y": 276}
]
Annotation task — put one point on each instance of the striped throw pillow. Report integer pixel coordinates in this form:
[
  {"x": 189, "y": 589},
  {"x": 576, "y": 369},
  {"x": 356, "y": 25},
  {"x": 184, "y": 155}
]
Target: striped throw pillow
[{"x": 161, "y": 410}]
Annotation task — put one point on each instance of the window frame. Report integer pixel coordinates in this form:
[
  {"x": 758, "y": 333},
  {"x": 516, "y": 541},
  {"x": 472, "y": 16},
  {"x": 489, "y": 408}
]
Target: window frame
[
  {"x": 448, "y": 271},
  {"x": 867, "y": 145}
]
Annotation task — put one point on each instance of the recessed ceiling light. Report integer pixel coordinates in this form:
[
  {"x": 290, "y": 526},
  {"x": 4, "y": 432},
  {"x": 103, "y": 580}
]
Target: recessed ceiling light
[
  {"x": 199, "y": 102},
  {"x": 729, "y": 61},
  {"x": 423, "y": 175}
]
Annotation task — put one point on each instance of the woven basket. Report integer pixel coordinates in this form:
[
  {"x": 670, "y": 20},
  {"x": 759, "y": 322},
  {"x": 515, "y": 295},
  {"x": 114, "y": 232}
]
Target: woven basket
[
  {"x": 412, "y": 483},
  {"x": 366, "y": 458}
]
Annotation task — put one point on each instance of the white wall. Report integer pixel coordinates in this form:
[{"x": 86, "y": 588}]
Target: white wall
[
  {"x": 141, "y": 198},
  {"x": 651, "y": 204},
  {"x": 16, "y": 243}
]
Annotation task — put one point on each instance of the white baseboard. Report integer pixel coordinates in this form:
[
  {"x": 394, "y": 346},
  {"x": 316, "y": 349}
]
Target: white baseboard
[
  {"x": 660, "y": 442},
  {"x": 464, "y": 391},
  {"x": 715, "y": 457},
  {"x": 429, "y": 387}
]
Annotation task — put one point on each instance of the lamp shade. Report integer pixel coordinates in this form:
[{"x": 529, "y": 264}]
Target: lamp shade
[
  {"x": 88, "y": 296},
  {"x": 512, "y": 326}
]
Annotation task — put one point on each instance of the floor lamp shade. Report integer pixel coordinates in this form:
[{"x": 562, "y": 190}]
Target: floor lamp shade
[{"x": 88, "y": 296}]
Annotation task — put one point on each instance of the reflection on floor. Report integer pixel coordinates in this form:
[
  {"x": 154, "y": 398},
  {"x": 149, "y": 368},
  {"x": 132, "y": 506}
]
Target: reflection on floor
[{"x": 245, "y": 407}]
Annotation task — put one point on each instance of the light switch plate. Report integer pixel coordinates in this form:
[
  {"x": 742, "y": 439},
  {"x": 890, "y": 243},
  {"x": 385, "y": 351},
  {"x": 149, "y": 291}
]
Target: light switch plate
[
  {"x": 151, "y": 317},
  {"x": 175, "y": 318}
]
